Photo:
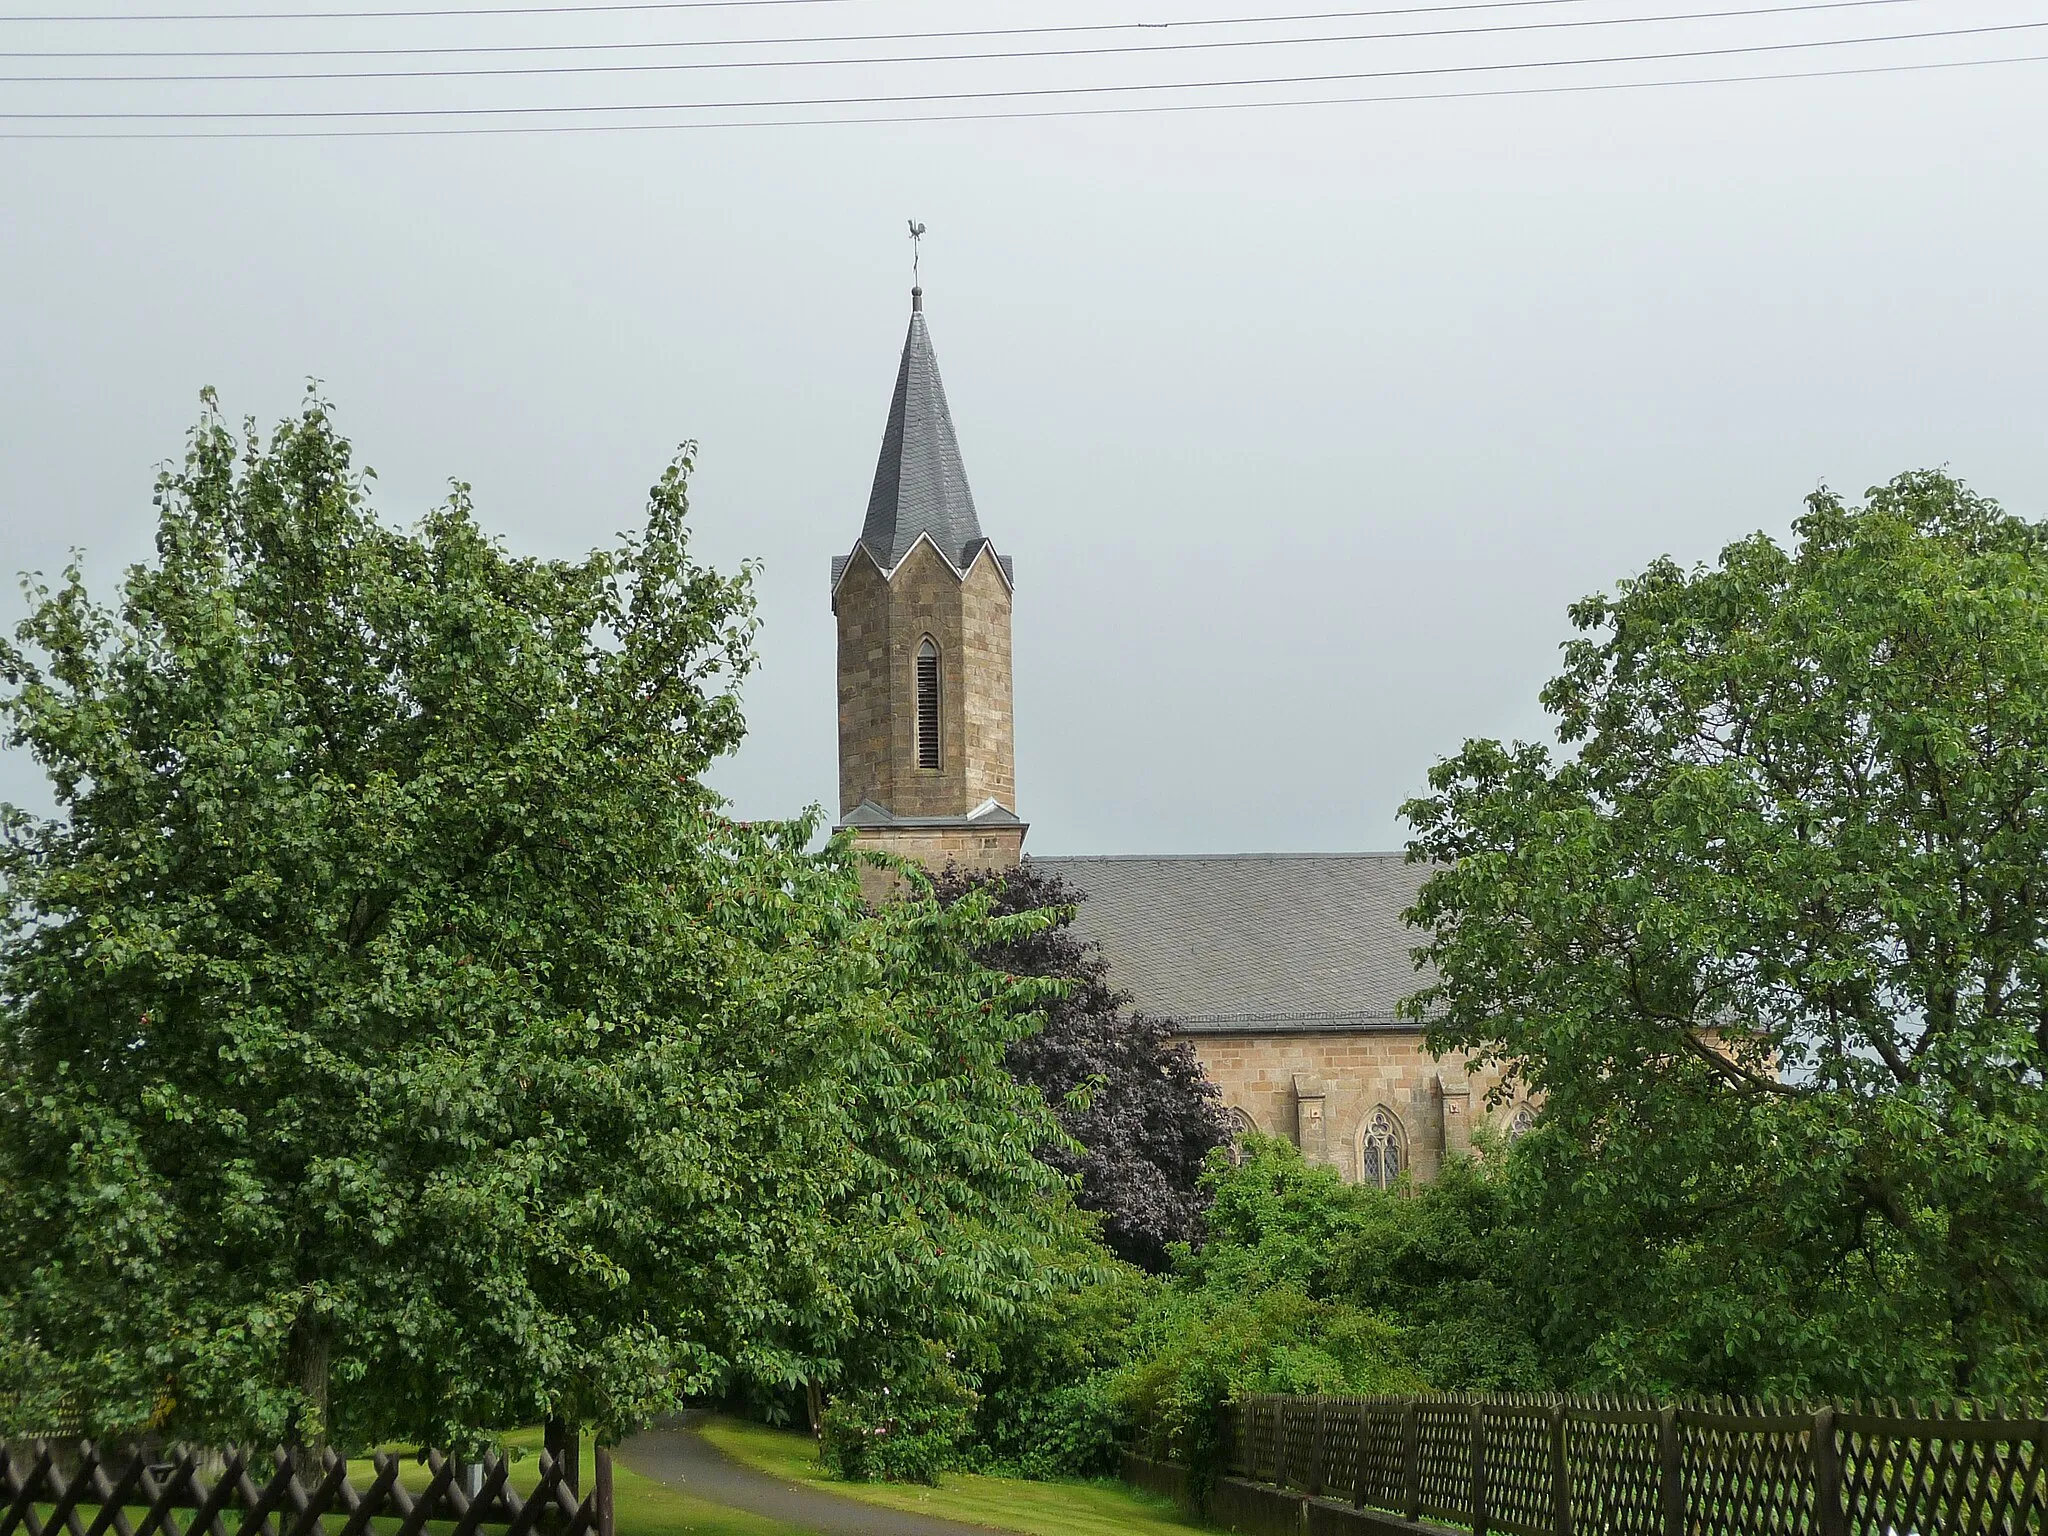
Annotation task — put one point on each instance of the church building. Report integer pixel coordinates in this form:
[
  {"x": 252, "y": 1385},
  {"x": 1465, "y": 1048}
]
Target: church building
[{"x": 1283, "y": 970}]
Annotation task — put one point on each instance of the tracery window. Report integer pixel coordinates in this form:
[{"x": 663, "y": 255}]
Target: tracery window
[
  {"x": 1380, "y": 1155},
  {"x": 928, "y": 704},
  {"x": 1524, "y": 1118},
  {"x": 1240, "y": 1126}
]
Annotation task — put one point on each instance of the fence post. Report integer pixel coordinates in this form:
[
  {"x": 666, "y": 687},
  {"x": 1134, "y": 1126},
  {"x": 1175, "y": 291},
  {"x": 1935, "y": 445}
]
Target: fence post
[
  {"x": 606, "y": 1525},
  {"x": 565, "y": 1446},
  {"x": 1560, "y": 1475},
  {"x": 1411, "y": 1461},
  {"x": 1831, "y": 1516},
  {"x": 1670, "y": 1482},
  {"x": 1358, "y": 1462},
  {"x": 1478, "y": 1469},
  {"x": 1319, "y": 1450}
]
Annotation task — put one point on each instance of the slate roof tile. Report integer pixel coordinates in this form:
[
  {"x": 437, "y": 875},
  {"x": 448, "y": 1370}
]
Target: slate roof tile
[
  {"x": 1270, "y": 942},
  {"x": 920, "y": 483}
]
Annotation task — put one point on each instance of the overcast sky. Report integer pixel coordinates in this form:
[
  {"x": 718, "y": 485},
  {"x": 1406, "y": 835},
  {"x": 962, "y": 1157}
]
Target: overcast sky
[{"x": 1302, "y": 425}]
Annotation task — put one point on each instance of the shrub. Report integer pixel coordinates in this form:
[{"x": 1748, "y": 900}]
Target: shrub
[
  {"x": 1306, "y": 1284},
  {"x": 902, "y": 1434},
  {"x": 870, "y": 1439},
  {"x": 1076, "y": 1429},
  {"x": 1208, "y": 1348},
  {"x": 1047, "y": 1408}
]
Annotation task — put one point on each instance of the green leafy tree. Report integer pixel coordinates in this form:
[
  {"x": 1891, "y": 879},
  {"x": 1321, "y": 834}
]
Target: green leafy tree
[
  {"x": 1771, "y": 942},
  {"x": 395, "y": 1037},
  {"x": 938, "y": 1226}
]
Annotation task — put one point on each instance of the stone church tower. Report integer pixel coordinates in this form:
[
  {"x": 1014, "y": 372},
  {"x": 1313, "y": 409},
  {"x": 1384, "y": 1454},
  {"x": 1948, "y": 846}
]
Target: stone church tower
[{"x": 927, "y": 757}]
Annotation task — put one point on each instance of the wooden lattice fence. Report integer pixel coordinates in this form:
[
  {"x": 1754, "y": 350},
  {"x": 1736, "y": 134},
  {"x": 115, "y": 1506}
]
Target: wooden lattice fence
[
  {"x": 1605, "y": 1467},
  {"x": 81, "y": 1489}
]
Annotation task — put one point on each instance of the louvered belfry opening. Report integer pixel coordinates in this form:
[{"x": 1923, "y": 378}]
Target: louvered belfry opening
[{"x": 928, "y": 704}]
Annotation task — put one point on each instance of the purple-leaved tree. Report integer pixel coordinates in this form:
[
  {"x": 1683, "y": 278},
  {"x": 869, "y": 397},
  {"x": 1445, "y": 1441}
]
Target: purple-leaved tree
[{"x": 1122, "y": 1086}]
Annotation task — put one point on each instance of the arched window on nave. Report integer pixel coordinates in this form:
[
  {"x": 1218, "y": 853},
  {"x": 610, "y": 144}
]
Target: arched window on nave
[{"x": 1381, "y": 1155}]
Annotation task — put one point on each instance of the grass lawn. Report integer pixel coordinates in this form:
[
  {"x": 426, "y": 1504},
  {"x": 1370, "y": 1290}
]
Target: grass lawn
[
  {"x": 641, "y": 1506},
  {"x": 1007, "y": 1503}
]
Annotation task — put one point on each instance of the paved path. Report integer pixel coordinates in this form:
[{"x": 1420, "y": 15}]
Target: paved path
[{"x": 684, "y": 1459}]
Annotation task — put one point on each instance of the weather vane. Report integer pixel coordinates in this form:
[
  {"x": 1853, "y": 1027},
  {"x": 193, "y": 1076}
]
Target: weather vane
[{"x": 916, "y": 234}]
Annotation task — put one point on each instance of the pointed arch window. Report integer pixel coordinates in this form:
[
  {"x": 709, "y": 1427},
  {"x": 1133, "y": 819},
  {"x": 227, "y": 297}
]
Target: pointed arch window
[
  {"x": 928, "y": 703},
  {"x": 1523, "y": 1121},
  {"x": 1380, "y": 1153},
  {"x": 1240, "y": 1125}
]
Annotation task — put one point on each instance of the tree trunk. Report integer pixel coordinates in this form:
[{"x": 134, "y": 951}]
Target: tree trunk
[
  {"x": 814, "y": 1400},
  {"x": 607, "y": 1520},
  {"x": 309, "y": 1355},
  {"x": 565, "y": 1445}
]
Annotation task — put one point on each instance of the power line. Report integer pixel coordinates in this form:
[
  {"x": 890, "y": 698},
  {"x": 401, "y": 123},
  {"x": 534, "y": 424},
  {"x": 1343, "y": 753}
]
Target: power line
[
  {"x": 773, "y": 42},
  {"x": 499, "y": 10},
  {"x": 912, "y": 98},
  {"x": 533, "y": 70},
  {"x": 996, "y": 117}
]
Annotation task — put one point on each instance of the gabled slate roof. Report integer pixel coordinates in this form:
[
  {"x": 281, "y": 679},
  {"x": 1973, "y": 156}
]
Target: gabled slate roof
[
  {"x": 920, "y": 483},
  {"x": 1265, "y": 943}
]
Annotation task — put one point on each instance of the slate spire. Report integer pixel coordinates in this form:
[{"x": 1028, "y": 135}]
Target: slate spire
[{"x": 920, "y": 483}]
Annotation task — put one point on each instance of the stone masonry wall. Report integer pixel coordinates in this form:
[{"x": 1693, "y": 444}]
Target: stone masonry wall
[
  {"x": 971, "y": 848},
  {"x": 866, "y": 763},
  {"x": 924, "y": 599},
  {"x": 1319, "y": 1091},
  {"x": 881, "y": 625},
  {"x": 988, "y": 736}
]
